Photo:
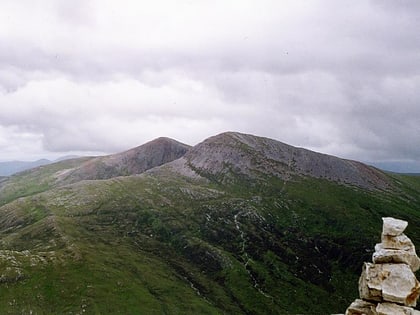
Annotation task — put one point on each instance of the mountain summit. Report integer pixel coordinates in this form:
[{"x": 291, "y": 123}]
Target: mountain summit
[
  {"x": 234, "y": 153},
  {"x": 135, "y": 161}
]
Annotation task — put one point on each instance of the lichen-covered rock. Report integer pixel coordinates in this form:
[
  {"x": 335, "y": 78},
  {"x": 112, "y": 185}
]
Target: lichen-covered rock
[
  {"x": 393, "y": 227},
  {"x": 359, "y": 307}
]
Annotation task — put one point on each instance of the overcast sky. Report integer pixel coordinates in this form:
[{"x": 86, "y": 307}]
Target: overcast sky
[{"x": 86, "y": 76}]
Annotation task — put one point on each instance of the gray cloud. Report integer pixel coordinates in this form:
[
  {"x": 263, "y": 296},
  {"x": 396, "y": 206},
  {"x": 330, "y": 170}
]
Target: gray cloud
[{"x": 341, "y": 77}]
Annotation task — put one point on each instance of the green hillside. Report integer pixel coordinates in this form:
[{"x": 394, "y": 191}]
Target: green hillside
[{"x": 187, "y": 238}]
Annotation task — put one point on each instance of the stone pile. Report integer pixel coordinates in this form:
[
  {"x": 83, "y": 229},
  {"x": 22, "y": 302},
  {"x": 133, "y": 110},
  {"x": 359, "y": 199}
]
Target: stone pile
[{"x": 388, "y": 286}]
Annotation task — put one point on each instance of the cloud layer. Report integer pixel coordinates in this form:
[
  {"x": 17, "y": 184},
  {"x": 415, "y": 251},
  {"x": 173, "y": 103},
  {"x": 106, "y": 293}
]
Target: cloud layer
[{"x": 341, "y": 77}]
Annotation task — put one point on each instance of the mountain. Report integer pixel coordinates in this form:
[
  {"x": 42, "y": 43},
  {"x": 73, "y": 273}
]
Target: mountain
[
  {"x": 12, "y": 167},
  {"x": 237, "y": 224},
  {"x": 9, "y": 168},
  {"x": 131, "y": 162},
  {"x": 66, "y": 157},
  {"x": 235, "y": 153},
  {"x": 407, "y": 167}
]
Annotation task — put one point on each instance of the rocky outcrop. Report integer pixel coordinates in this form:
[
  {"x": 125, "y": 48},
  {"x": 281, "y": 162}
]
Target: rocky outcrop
[{"x": 388, "y": 286}]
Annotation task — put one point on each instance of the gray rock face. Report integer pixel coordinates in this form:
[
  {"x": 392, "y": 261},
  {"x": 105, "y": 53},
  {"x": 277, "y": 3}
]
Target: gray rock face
[
  {"x": 250, "y": 155},
  {"x": 388, "y": 286}
]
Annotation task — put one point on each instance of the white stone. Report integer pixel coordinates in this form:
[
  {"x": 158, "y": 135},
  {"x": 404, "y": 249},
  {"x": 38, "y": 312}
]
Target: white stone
[
  {"x": 393, "y": 309},
  {"x": 397, "y": 242},
  {"x": 383, "y": 255},
  {"x": 370, "y": 282},
  {"x": 400, "y": 284},
  {"x": 389, "y": 282},
  {"x": 393, "y": 227},
  {"x": 361, "y": 307},
  {"x": 388, "y": 286}
]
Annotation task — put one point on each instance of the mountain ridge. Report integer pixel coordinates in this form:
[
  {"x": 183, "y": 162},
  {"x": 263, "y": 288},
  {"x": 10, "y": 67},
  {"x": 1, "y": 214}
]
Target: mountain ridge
[
  {"x": 233, "y": 225},
  {"x": 218, "y": 158},
  {"x": 280, "y": 160}
]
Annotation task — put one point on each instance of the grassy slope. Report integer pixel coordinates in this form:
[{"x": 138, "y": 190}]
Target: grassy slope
[
  {"x": 169, "y": 245},
  {"x": 35, "y": 180}
]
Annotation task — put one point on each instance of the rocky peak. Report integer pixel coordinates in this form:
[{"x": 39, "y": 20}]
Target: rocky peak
[
  {"x": 251, "y": 155},
  {"x": 135, "y": 161},
  {"x": 388, "y": 286}
]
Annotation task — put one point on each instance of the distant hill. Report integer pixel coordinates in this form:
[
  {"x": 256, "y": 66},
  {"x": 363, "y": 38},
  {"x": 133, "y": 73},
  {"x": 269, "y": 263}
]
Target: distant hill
[
  {"x": 131, "y": 162},
  {"x": 237, "y": 224},
  {"x": 12, "y": 167},
  {"x": 405, "y": 167}
]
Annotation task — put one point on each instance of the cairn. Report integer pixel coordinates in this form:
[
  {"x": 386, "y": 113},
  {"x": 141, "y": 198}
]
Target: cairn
[{"x": 388, "y": 286}]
